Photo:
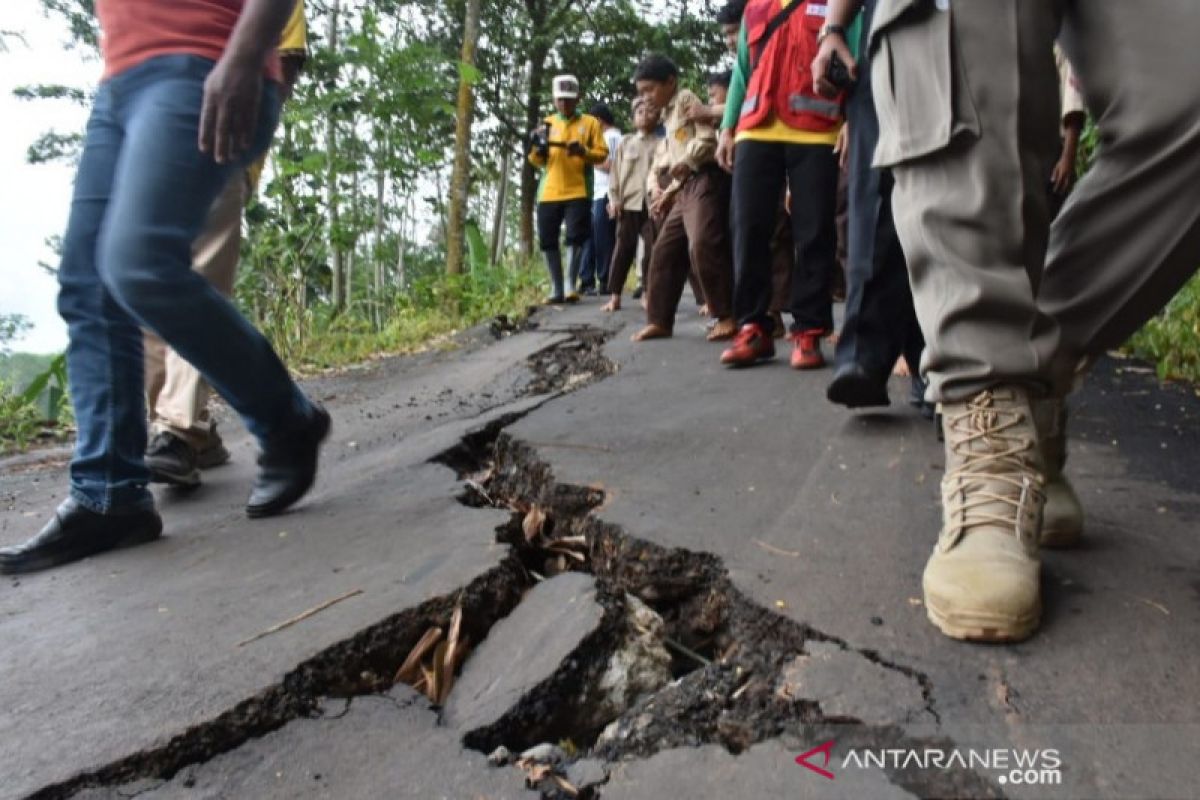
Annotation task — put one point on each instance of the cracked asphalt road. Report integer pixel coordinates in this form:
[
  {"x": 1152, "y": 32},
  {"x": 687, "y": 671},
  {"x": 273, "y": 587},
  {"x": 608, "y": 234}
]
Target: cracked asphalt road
[{"x": 818, "y": 514}]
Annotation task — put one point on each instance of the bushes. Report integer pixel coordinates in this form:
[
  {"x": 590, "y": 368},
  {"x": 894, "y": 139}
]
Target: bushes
[
  {"x": 434, "y": 305},
  {"x": 1172, "y": 338}
]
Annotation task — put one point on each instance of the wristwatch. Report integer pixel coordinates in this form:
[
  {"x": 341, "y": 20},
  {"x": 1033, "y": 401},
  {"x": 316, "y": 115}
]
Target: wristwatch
[{"x": 829, "y": 29}]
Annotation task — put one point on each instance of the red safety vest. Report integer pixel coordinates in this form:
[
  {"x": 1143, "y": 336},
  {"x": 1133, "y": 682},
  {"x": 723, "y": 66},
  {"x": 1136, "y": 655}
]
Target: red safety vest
[{"x": 781, "y": 80}]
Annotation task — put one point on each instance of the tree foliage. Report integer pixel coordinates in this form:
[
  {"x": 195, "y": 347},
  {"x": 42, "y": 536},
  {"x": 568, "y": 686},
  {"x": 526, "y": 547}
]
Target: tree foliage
[{"x": 352, "y": 212}]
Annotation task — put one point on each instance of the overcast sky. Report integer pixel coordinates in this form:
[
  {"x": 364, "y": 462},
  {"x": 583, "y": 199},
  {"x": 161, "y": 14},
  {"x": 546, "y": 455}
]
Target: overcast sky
[{"x": 34, "y": 199}]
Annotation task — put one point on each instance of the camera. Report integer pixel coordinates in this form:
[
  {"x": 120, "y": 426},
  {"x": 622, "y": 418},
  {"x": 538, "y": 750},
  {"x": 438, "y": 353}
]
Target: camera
[{"x": 839, "y": 74}]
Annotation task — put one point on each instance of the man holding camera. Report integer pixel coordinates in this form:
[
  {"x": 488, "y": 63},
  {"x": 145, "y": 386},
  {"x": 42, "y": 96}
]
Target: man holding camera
[
  {"x": 783, "y": 132},
  {"x": 567, "y": 146}
]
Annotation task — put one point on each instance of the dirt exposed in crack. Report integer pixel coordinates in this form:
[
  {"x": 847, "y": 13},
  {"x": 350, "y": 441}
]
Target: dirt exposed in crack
[
  {"x": 362, "y": 664},
  {"x": 573, "y": 364},
  {"x": 729, "y": 653}
]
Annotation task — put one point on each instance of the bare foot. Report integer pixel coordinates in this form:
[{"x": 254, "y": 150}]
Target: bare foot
[
  {"x": 724, "y": 329},
  {"x": 833, "y": 338},
  {"x": 612, "y": 305},
  {"x": 703, "y": 311},
  {"x": 651, "y": 331},
  {"x": 901, "y": 368}
]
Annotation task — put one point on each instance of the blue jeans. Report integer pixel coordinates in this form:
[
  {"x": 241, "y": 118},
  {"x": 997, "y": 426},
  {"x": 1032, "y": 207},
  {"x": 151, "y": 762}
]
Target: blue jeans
[
  {"x": 142, "y": 192},
  {"x": 597, "y": 253}
]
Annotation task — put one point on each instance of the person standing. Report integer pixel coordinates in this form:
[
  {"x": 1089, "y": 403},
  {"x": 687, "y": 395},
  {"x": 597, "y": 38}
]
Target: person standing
[
  {"x": 184, "y": 438},
  {"x": 880, "y": 323},
  {"x": 597, "y": 252},
  {"x": 627, "y": 199},
  {"x": 188, "y": 99},
  {"x": 693, "y": 211},
  {"x": 783, "y": 133},
  {"x": 567, "y": 147},
  {"x": 1014, "y": 308}
]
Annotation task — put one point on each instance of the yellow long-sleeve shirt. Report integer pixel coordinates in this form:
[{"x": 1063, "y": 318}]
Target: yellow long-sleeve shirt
[{"x": 568, "y": 177}]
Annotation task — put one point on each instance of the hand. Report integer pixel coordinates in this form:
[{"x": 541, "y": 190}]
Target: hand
[
  {"x": 576, "y": 149},
  {"x": 681, "y": 172},
  {"x": 229, "y": 114},
  {"x": 832, "y": 43},
  {"x": 842, "y": 147},
  {"x": 697, "y": 113},
  {"x": 725, "y": 148},
  {"x": 1063, "y": 175},
  {"x": 661, "y": 205},
  {"x": 614, "y": 210},
  {"x": 787, "y": 201}
]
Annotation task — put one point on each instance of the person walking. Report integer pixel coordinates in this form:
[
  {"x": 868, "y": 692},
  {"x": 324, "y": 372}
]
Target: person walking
[{"x": 188, "y": 99}]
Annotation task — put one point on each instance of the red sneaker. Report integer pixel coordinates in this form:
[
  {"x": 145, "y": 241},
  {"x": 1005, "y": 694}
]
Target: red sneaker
[
  {"x": 807, "y": 352},
  {"x": 751, "y": 345}
]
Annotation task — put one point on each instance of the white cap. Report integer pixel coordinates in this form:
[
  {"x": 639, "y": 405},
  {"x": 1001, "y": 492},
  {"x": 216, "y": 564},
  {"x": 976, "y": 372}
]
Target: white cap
[{"x": 566, "y": 87}]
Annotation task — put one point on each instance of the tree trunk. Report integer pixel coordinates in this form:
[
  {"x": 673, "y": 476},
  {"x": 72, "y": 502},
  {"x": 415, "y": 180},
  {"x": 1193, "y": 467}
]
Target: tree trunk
[
  {"x": 377, "y": 256},
  {"x": 460, "y": 177},
  {"x": 533, "y": 114},
  {"x": 336, "y": 262},
  {"x": 501, "y": 202}
]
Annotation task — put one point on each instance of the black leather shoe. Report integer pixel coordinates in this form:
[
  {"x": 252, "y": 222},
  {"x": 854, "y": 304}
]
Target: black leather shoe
[
  {"x": 854, "y": 387},
  {"x": 287, "y": 467},
  {"x": 75, "y": 533}
]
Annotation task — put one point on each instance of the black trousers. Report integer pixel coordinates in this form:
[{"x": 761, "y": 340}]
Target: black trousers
[
  {"x": 577, "y": 214},
  {"x": 880, "y": 323},
  {"x": 760, "y": 173}
]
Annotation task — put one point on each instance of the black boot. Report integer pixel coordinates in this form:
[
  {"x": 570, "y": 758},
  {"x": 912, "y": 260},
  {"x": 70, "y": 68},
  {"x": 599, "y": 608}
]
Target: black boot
[
  {"x": 75, "y": 533},
  {"x": 555, "y": 268},
  {"x": 287, "y": 466}
]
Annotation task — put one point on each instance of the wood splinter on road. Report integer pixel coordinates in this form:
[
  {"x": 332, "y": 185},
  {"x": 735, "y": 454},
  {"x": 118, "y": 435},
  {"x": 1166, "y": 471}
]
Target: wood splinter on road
[{"x": 300, "y": 617}]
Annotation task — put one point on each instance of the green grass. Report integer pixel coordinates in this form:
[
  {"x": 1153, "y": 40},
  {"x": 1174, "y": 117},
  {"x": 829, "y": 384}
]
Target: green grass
[{"x": 433, "y": 309}]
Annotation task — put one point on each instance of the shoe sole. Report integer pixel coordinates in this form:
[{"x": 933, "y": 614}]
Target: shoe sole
[
  {"x": 1061, "y": 538},
  {"x": 739, "y": 364},
  {"x": 807, "y": 367},
  {"x": 182, "y": 480},
  {"x": 282, "y": 503},
  {"x": 983, "y": 627}
]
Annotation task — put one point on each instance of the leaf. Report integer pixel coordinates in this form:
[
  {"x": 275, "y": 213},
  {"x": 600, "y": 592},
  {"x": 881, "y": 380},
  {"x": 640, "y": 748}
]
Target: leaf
[
  {"x": 410, "y": 670},
  {"x": 534, "y": 523}
]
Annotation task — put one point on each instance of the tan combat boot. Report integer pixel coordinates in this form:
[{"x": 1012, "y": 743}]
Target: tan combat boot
[
  {"x": 981, "y": 582},
  {"x": 1062, "y": 519}
]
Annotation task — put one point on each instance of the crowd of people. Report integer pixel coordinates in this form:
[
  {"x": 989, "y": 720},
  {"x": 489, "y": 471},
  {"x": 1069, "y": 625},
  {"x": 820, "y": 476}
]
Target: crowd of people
[{"x": 946, "y": 130}]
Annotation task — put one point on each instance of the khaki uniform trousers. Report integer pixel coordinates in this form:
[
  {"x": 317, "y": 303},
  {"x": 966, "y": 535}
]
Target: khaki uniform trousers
[
  {"x": 176, "y": 395},
  {"x": 967, "y": 95}
]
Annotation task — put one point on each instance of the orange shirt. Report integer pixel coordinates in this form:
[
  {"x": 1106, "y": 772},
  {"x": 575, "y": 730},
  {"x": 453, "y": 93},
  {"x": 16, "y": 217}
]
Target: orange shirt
[{"x": 133, "y": 31}]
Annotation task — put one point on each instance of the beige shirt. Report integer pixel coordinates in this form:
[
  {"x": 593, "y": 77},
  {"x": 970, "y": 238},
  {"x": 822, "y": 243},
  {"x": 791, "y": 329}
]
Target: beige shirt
[
  {"x": 630, "y": 169},
  {"x": 691, "y": 143}
]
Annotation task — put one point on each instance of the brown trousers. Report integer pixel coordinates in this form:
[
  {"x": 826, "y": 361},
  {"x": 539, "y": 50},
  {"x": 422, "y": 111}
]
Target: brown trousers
[
  {"x": 631, "y": 226},
  {"x": 176, "y": 395},
  {"x": 968, "y": 105},
  {"x": 695, "y": 232}
]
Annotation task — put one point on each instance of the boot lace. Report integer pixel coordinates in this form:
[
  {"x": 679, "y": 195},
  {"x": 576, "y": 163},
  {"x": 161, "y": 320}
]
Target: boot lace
[{"x": 994, "y": 483}]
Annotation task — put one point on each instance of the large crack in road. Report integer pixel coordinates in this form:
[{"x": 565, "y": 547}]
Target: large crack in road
[{"x": 736, "y": 673}]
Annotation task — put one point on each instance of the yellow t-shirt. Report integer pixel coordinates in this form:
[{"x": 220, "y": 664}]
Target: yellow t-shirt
[
  {"x": 569, "y": 177},
  {"x": 293, "y": 43}
]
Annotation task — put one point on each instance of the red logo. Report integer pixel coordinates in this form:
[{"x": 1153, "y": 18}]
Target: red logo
[{"x": 825, "y": 750}]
